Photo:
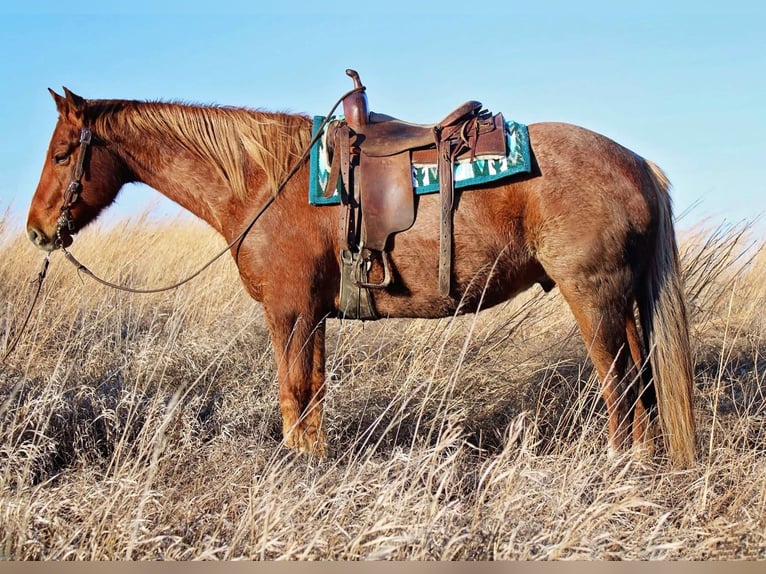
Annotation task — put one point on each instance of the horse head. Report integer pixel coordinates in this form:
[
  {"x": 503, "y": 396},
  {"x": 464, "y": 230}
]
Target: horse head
[{"x": 80, "y": 177}]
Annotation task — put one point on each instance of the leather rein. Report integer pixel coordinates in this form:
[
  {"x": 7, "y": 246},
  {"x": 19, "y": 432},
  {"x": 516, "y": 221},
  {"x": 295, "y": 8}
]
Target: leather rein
[{"x": 72, "y": 196}]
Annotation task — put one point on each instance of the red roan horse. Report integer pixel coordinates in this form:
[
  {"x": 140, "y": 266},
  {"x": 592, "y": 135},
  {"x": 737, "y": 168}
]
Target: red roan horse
[{"x": 593, "y": 218}]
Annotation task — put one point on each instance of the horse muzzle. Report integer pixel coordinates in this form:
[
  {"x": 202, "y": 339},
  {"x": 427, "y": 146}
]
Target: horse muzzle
[{"x": 47, "y": 242}]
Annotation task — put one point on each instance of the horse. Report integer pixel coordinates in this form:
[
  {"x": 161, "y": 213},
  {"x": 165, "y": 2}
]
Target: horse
[{"x": 592, "y": 218}]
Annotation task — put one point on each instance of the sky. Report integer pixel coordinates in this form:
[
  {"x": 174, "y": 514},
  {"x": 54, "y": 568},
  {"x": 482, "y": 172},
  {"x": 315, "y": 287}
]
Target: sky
[{"x": 681, "y": 83}]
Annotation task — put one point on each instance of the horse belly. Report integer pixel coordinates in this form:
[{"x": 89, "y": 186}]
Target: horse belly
[{"x": 491, "y": 261}]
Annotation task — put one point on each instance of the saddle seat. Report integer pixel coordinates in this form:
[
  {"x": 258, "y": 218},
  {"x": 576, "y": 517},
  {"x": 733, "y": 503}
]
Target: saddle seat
[{"x": 386, "y": 135}]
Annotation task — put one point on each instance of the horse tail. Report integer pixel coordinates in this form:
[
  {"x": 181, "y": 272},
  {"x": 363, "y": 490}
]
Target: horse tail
[{"x": 663, "y": 316}]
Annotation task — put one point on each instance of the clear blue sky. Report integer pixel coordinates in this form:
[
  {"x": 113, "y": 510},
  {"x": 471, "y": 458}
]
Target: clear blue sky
[{"x": 683, "y": 85}]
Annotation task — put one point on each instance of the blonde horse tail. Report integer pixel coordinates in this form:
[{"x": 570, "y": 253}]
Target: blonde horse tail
[{"x": 663, "y": 315}]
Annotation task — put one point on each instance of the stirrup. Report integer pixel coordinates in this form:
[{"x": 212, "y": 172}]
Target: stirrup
[
  {"x": 387, "y": 275},
  {"x": 355, "y": 302}
]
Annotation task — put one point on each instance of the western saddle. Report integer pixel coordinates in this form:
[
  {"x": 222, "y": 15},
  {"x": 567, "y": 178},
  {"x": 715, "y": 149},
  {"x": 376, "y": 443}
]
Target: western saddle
[{"x": 372, "y": 154}]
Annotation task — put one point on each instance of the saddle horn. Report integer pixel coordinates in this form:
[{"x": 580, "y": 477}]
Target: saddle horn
[{"x": 355, "y": 105}]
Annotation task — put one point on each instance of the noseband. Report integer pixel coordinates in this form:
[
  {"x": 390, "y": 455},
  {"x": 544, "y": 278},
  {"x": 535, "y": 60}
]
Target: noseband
[{"x": 72, "y": 192}]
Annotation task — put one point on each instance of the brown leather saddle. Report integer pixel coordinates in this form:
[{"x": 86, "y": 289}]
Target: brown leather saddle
[{"x": 373, "y": 154}]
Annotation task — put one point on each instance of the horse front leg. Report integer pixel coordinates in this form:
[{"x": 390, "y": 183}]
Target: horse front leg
[{"x": 300, "y": 354}]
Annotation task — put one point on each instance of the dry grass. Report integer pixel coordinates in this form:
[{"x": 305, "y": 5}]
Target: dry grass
[{"x": 147, "y": 427}]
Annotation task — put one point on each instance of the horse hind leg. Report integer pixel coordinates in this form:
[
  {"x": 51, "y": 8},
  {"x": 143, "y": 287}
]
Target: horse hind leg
[
  {"x": 645, "y": 411},
  {"x": 599, "y": 307}
]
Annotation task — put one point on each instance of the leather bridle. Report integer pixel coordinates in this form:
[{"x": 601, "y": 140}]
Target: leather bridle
[{"x": 73, "y": 190}]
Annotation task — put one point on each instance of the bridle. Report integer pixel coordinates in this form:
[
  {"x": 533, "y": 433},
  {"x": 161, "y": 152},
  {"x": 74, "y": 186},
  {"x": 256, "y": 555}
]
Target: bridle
[
  {"x": 71, "y": 197},
  {"x": 72, "y": 191}
]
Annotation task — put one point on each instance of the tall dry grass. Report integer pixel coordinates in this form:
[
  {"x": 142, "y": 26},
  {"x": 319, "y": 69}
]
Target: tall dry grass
[{"x": 147, "y": 427}]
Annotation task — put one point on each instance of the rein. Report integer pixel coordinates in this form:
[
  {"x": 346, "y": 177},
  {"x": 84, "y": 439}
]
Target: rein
[
  {"x": 72, "y": 196},
  {"x": 39, "y": 281}
]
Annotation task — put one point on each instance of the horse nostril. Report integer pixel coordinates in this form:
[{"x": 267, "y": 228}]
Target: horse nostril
[{"x": 35, "y": 236}]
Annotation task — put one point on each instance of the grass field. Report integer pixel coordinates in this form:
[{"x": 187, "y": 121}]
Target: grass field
[{"x": 147, "y": 426}]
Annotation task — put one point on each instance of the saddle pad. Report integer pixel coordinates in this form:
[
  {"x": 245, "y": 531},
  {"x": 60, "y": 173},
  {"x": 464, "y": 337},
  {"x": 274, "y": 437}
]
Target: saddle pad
[{"x": 425, "y": 178}]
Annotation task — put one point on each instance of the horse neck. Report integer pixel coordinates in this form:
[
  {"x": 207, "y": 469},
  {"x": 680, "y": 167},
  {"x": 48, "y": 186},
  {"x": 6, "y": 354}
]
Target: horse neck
[{"x": 208, "y": 160}]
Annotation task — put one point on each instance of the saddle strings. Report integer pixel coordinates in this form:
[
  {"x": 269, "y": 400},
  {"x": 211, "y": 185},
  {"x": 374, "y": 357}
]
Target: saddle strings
[{"x": 239, "y": 239}]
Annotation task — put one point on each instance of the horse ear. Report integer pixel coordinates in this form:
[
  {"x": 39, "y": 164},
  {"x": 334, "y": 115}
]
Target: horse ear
[
  {"x": 70, "y": 106},
  {"x": 77, "y": 101},
  {"x": 60, "y": 101}
]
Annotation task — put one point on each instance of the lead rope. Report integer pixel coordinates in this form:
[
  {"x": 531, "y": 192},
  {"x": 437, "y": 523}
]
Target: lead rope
[
  {"x": 39, "y": 281},
  {"x": 71, "y": 196}
]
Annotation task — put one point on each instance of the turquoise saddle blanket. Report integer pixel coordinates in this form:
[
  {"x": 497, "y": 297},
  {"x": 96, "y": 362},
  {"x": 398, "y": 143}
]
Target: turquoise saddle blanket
[{"x": 425, "y": 178}]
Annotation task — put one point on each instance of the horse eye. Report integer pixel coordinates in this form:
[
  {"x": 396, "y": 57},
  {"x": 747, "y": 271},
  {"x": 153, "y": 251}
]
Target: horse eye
[{"x": 61, "y": 158}]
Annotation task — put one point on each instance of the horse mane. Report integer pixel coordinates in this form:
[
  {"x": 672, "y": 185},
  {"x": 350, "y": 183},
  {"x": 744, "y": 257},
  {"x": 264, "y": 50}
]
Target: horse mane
[{"x": 228, "y": 138}]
